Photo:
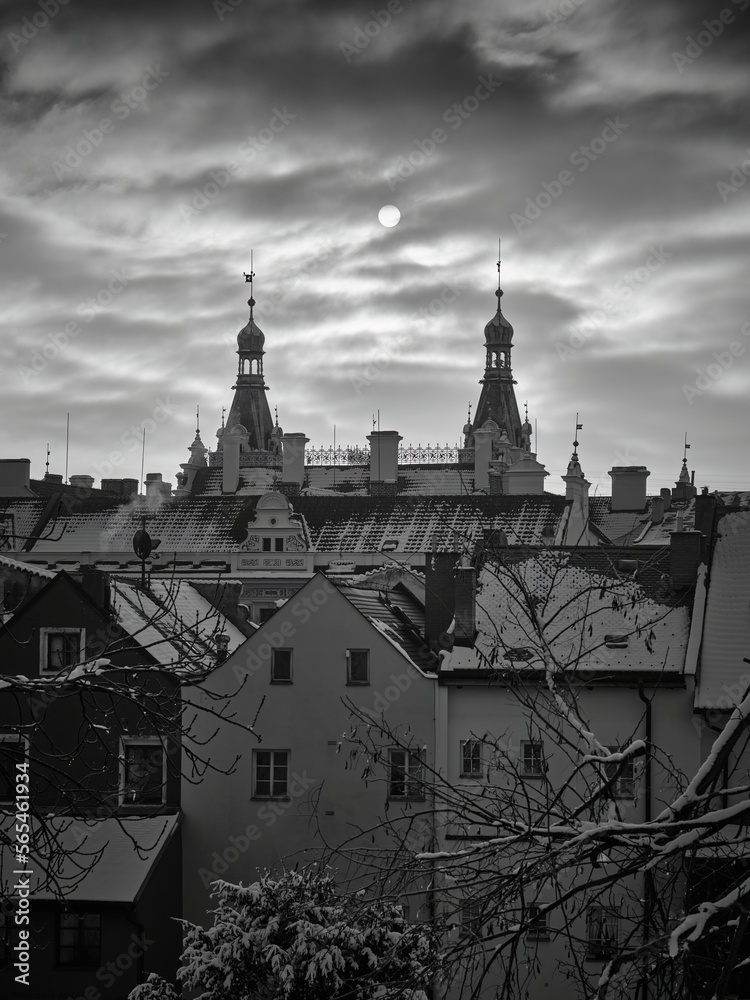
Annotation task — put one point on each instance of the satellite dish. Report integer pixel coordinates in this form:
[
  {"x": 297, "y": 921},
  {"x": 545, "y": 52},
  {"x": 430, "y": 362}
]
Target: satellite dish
[{"x": 142, "y": 544}]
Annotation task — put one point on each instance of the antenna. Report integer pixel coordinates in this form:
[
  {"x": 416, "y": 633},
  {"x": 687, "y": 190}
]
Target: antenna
[
  {"x": 334, "y": 456},
  {"x": 143, "y": 460},
  {"x": 67, "y": 445}
]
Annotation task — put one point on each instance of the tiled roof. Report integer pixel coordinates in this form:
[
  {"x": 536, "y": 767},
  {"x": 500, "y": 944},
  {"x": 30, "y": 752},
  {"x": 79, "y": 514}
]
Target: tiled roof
[
  {"x": 629, "y": 527},
  {"x": 398, "y": 617},
  {"x": 175, "y": 623},
  {"x": 363, "y": 524},
  {"x": 579, "y": 598},
  {"x": 724, "y": 676},
  {"x": 104, "y": 861},
  {"x": 9, "y": 563}
]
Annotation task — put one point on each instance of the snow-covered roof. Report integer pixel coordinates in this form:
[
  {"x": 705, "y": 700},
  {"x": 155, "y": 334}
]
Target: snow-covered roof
[
  {"x": 723, "y": 675},
  {"x": 9, "y": 563},
  {"x": 172, "y": 620},
  {"x": 579, "y": 604},
  {"x": 103, "y": 861}
]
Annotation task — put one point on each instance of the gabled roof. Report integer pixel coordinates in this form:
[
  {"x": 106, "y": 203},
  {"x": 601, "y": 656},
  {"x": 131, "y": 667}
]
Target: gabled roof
[
  {"x": 724, "y": 676},
  {"x": 397, "y": 616}
]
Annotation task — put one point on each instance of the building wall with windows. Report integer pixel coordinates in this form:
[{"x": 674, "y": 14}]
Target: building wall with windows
[{"x": 300, "y": 790}]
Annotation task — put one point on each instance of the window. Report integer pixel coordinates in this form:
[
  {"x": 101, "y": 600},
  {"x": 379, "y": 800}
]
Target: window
[
  {"x": 603, "y": 930},
  {"x": 471, "y": 918},
  {"x": 13, "y": 751},
  {"x": 60, "y": 648},
  {"x": 270, "y": 774},
  {"x": 612, "y": 641},
  {"x": 266, "y": 544},
  {"x": 536, "y": 926},
  {"x": 358, "y": 666},
  {"x": 281, "y": 666},
  {"x": 265, "y": 613},
  {"x": 273, "y": 544},
  {"x": 142, "y": 772},
  {"x": 79, "y": 939},
  {"x": 278, "y": 544},
  {"x": 471, "y": 758},
  {"x": 405, "y": 775},
  {"x": 532, "y": 759},
  {"x": 624, "y": 783}
]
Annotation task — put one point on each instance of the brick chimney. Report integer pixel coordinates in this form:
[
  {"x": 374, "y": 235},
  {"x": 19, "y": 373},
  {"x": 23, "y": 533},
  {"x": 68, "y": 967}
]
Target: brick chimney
[
  {"x": 483, "y": 454},
  {"x": 15, "y": 476},
  {"x": 232, "y": 441},
  {"x": 685, "y": 557},
  {"x": 384, "y": 462},
  {"x": 82, "y": 482},
  {"x": 526, "y": 476},
  {"x": 629, "y": 487},
  {"x": 155, "y": 487},
  {"x": 450, "y": 592},
  {"x": 293, "y": 458},
  {"x": 96, "y": 585}
]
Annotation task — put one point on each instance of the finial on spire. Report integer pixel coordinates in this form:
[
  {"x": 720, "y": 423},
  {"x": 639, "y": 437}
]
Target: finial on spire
[
  {"x": 579, "y": 427},
  {"x": 197, "y": 421},
  {"x": 276, "y": 415},
  {"x": 499, "y": 291},
  {"x": 249, "y": 277},
  {"x": 526, "y": 411},
  {"x": 469, "y": 416},
  {"x": 685, "y": 450},
  {"x": 46, "y": 464},
  {"x": 223, "y": 411}
]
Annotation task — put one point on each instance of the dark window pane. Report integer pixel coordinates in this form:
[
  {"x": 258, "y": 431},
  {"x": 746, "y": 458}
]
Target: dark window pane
[
  {"x": 359, "y": 666},
  {"x": 144, "y": 774},
  {"x": 281, "y": 669}
]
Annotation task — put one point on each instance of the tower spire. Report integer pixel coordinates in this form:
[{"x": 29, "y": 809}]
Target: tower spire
[{"x": 250, "y": 277}]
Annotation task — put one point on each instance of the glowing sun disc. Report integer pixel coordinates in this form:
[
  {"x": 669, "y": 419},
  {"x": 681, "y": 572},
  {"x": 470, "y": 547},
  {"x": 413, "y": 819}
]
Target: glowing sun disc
[{"x": 389, "y": 216}]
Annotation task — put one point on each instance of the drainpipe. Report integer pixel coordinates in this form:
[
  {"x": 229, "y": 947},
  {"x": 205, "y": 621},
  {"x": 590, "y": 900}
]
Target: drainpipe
[{"x": 648, "y": 894}]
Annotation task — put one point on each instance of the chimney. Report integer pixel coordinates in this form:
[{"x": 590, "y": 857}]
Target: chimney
[
  {"x": 155, "y": 487},
  {"x": 628, "y": 487},
  {"x": 450, "y": 592},
  {"x": 231, "y": 468},
  {"x": 130, "y": 487},
  {"x": 384, "y": 462},
  {"x": 293, "y": 459},
  {"x": 96, "y": 585},
  {"x": 705, "y": 518},
  {"x": 82, "y": 482},
  {"x": 577, "y": 495},
  {"x": 483, "y": 454},
  {"x": 657, "y": 510},
  {"x": 15, "y": 475},
  {"x": 525, "y": 477},
  {"x": 684, "y": 557},
  {"x": 666, "y": 494},
  {"x": 53, "y": 477}
]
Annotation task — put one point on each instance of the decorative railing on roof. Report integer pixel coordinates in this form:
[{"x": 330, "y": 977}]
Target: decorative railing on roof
[{"x": 356, "y": 455}]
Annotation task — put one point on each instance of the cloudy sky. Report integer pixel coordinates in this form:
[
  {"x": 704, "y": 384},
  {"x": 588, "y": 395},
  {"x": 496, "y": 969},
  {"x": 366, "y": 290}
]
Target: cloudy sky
[{"x": 147, "y": 147}]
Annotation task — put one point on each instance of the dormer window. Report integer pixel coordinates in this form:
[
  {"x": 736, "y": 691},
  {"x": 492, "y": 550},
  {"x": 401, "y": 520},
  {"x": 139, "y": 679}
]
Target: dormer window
[
  {"x": 273, "y": 544},
  {"x": 616, "y": 641}
]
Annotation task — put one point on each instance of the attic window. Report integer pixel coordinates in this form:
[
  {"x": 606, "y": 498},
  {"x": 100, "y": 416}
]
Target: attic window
[
  {"x": 616, "y": 641},
  {"x": 389, "y": 545},
  {"x": 519, "y": 653}
]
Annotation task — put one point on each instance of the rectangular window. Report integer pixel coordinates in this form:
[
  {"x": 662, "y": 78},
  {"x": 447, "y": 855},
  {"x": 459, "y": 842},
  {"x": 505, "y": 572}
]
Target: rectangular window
[
  {"x": 537, "y": 928},
  {"x": 13, "y": 750},
  {"x": 142, "y": 772},
  {"x": 79, "y": 939},
  {"x": 602, "y": 933},
  {"x": 270, "y": 774},
  {"x": 624, "y": 783},
  {"x": 60, "y": 648},
  {"x": 471, "y": 918},
  {"x": 405, "y": 775},
  {"x": 278, "y": 544},
  {"x": 265, "y": 613},
  {"x": 358, "y": 666},
  {"x": 471, "y": 758},
  {"x": 532, "y": 759},
  {"x": 267, "y": 544},
  {"x": 281, "y": 666}
]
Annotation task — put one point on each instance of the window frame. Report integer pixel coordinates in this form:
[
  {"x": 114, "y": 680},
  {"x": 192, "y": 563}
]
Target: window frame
[
  {"x": 272, "y": 794},
  {"x": 537, "y": 924},
  {"x": 350, "y": 679},
  {"x": 533, "y": 765},
  {"x": 625, "y": 779},
  {"x": 473, "y": 772},
  {"x": 24, "y": 741},
  {"x": 79, "y": 947},
  {"x": 45, "y": 634},
  {"x": 470, "y": 918},
  {"x": 405, "y": 773},
  {"x": 597, "y": 950},
  {"x": 282, "y": 680},
  {"x": 141, "y": 741}
]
